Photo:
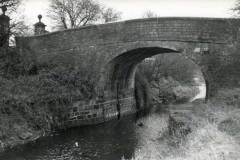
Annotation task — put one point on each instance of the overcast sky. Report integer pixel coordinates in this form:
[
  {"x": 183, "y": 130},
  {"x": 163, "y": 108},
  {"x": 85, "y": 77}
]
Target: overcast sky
[{"x": 135, "y": 8}]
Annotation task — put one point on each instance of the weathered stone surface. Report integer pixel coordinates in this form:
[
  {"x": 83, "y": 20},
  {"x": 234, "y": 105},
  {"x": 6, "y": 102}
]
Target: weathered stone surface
[{"x": 95, "y": 114}]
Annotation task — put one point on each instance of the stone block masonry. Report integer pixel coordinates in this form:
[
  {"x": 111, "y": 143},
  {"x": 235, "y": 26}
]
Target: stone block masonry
[{"x": 99, "y": 113}]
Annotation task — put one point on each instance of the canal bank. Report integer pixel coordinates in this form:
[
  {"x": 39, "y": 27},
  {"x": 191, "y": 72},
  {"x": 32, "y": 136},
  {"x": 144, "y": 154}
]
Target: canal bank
[
  {"x": 30, "y": 124},
  {"x": 145, "y": 137},
  {"x": 34, "y": 106},
  {"x": 19, "y": 130}
]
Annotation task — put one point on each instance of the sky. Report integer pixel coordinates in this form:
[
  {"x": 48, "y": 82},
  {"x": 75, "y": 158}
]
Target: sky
[{"x": 132, "y": 9}]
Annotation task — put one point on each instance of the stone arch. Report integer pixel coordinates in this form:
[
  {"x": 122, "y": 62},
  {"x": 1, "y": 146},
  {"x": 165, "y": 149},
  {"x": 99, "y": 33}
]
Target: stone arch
[{"x": 119, "y": 73}]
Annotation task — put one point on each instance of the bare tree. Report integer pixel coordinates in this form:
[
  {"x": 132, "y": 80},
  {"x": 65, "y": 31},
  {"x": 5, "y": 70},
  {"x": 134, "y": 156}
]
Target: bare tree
[
  {"x": 236, "y": 8},
  {"x": 74, "y": 13},
  {"x": 18, "y": 28},
  {"x": 149, "y": 14},
  {"x": 110, "y": 15},
  {"x": 10, "y": 4}
]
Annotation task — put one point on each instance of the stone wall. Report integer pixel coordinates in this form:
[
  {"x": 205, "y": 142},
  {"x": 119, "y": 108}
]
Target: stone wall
[{"x": 80, "y": 115}]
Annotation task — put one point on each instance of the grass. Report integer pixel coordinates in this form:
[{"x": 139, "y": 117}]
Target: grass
[
  {"x": 215, "y": 133},
  {"x": 37, "y": 104}
]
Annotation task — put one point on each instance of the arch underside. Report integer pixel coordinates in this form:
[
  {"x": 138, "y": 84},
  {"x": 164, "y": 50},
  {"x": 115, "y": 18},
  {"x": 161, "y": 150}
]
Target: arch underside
[{"x": 120, "y": 72}]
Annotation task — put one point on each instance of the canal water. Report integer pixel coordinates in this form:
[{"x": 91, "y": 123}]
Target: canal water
[
  {"x": 137, "y": 137},
  {"x": 115, "y": 140}
]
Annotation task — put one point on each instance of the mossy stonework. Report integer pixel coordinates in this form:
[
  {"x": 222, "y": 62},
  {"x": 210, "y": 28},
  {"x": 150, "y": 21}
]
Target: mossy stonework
[{"x": 111, "y": 52}]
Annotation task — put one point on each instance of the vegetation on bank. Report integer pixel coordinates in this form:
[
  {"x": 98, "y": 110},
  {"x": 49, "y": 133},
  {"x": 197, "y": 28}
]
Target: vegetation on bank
[
  {"x": 33, "y": 100},
  {"x": 214, "y": 136}
]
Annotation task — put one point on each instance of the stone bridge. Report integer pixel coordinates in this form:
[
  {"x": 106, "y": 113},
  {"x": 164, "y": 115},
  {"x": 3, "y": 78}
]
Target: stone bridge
[{"x": 112, "y": 51}]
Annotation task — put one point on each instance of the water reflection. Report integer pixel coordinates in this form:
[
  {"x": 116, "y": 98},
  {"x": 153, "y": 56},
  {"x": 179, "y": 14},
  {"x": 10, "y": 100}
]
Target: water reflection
[{"x": 110, "y": 141}]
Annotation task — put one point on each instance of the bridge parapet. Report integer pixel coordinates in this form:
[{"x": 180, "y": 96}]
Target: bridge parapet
[{"x": 205, "y": 30}]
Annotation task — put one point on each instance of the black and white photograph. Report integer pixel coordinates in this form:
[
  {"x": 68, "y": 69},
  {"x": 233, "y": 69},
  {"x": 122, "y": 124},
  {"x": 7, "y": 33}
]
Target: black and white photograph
[{"x": 119, "y": 79}]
